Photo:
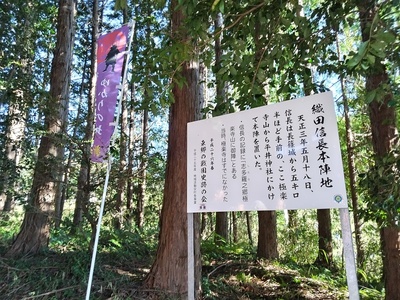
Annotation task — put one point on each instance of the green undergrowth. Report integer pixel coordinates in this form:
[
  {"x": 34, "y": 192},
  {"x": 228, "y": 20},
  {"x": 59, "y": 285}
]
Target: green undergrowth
[
  {"x": 230, "y": 271},
  {"x": 233, "y": 272}
]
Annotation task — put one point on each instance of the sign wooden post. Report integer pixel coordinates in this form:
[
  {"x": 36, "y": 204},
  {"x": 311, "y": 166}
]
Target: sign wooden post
[
  {"x": 349, "y": 259},
  {"x": 190, "y": 257}
]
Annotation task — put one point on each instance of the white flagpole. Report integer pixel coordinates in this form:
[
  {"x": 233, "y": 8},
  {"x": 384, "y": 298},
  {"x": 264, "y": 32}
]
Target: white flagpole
[
  {"x": 96, "y": 241},
  {"x": 109, "y": 160}
]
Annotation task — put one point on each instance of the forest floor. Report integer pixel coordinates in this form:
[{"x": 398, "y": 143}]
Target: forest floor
[{"x": 55, "y": 275}]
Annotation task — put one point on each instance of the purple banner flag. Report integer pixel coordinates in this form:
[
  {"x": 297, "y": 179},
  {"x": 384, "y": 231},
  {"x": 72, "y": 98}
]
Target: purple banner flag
[{"x": 110, "y": 59}]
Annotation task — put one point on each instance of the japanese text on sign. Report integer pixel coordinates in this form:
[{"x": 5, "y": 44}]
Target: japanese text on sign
[{"x": 280, "y": 156}]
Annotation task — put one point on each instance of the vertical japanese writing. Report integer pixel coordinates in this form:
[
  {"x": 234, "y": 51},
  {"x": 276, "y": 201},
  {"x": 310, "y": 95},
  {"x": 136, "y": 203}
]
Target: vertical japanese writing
[
  {"x": 280, "y": 156},
  {"x": 320, "y": 134},
  {"x": 194, "y": 176},
  {"x": 292, "y": 154},
  {"x": 256, "y": 144},
  {"x": 232, "y": 141},
  {"x": 212, "y": 155},
  {"x": 102, "y": 96},
  {"x": 243, "y": 163},
  {"x": 224, "y": 165},
  {"x": 203, "y": 171},
  {"x": 268, "y": 158},
  {"x": 304, "y": 151}
]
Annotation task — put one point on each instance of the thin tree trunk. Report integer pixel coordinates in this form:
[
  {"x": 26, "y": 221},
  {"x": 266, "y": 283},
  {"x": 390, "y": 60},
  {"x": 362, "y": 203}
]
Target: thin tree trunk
[
  {"x": 143, "y": 157},
  {"x": 267, "y": 246},
  {"x": 131, "y": 136},
  {"x": 248, "y": 223},
  {"x": 235, "y": 228},
  {"x": 221, "y": 218},
  {"x": 19, "y": 95},
  {"x": 13, "y": 152},
  {"x": 35, "y": 228},
  {"x": 325, "y": 249},
  {"x": 64, "y": 193},
  {"x": 82, "y": 194},
  {"x": 131, "y": 152},
  {"x": 121, "y": 182},
  {"x": 142, "y": 171}
]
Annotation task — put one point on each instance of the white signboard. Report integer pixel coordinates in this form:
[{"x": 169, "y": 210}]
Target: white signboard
[{"x": 280, "y": 156}]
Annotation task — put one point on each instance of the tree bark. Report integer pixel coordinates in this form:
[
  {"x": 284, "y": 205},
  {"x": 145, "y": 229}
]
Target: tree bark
[
  {"x": 248, "y": 223},
  {"x": 145, "y": 121},
  {"x": 121, "y": 182},
  {"x": 169, "y": 271},
  {"x": 267, "y": 235},
  {"x": 19, "y": 95},
  {"x": 131, "y": 135},
  {"x": 221, "y": 227},
  {"x": 325, "y": 249},
  {"x": 235, "y": 233},
  {"x": 142, "y": 171},
  {"x": 221, "y": 218},
  {"x": 13, "y": 151},
  {"x": 35, "y": 229},
  {"x": 82, "y": 194},
  {"x": 267, "y": 246},
  {"x": 385, "y": 137}
]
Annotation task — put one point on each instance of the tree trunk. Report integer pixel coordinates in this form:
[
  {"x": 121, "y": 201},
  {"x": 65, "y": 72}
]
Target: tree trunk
[
  {"x": 384, "y": 139},
  {"x": 221, "y": 227},
  {"x": 267, "y": 246},
  {"x": 142, "y": 171},
  {"x": 235, "y": 233},
  {"x": 64, "y": 193},
  {"x": 248, "y": 222},
  {"x": 221, "y": 218},
  {"x": 267, "y": 235},
  {"x": 35, "y": 229},
  {"x": 19, "y": 83},
  {"x": 82, "y": 194},
  {"x": 145, "y": 121},
  {"x": 121, "y": 181},
  {"x": 169, "y": 271},
  {"x": 325, "y": 249},
  {"x": 13, "y": 151},
  {"x": 131, "y": 136},
  {"x": 391, "y": 261},
  {"x": 131, "y": 153}
]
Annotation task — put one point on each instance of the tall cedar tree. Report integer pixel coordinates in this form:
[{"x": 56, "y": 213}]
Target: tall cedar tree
[
  {"x": 35, "y": 228},
  {"x": 267, "y": 245},
  {"x": 19, "y": 81},
  {"x": 83, "y": 192},
  {"x": 384, "y": 137},
  {"x": 169, "y": 271},
  {"x": 221, "y": 218}
]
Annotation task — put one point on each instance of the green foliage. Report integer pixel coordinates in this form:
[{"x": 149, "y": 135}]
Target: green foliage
[
  {"x": 62, "y": 272},
  {"x": 381, "y": 184},
  {"x": 9, "y": 226},
  {"x": 299, "y": 243},
  {"x": 223, "y": 249}
]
